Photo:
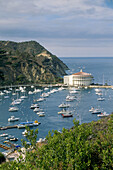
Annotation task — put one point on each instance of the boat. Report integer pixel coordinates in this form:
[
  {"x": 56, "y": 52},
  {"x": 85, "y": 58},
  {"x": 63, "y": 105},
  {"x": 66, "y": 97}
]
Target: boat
[
  {"x": 45, "y": 95},
  {"x": 41, "y": 114},
  {"x": 24, "y": 132},
  {"x": 73, "y": 92},
  {"x": 30, "y": 92},
  {"x": 28, "y": 124},
  {"x": 24, "y": 97},
  {"x": 64, "y": 112},
  {"x": 4, "y": 135},
  {"x": 64, "y": 105},
  {"x": 9, "y": 137},
  {"x": 13, "y": 139},
  {"x": 40, "y": 99},
  {"x": 13, "y": 119},
  {"x": 101, "y": 99},
  {"x": 38, "y": 113},
  {"x": 96, "y": 111},
  {"x": 104, "y": 114},
  {"x": 33, "y": 106},
  {"x": 37, "y": 109},
  {"x": 67, "y": 115},
  {"x": 92, "y": 109},
  {"x": 13, "y": 109}
]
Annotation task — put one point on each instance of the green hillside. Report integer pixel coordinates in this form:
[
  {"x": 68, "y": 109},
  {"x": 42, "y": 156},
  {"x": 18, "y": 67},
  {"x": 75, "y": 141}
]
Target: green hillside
[
  {"x": 84, "y": 147},
  {"x": 28, "y": 62}
]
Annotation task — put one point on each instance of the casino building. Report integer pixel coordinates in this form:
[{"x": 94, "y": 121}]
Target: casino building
[{"x": 78, "y": 79}]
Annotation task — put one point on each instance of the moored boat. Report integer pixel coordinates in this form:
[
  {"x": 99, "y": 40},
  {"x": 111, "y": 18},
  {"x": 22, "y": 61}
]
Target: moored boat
[
  {"x": 64, "y": 105},
  {"x": 28, "y": 124},
  {"x": 13, "y": 119},
  {"x": 67, "y": 115},
  {"x": 104, "y": 114},
  {"x": 96, "y": 111},
  {"x": 13, "y": 109}
]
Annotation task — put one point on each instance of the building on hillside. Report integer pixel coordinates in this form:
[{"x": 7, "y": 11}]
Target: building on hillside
[{"x": 78, "y": 79}]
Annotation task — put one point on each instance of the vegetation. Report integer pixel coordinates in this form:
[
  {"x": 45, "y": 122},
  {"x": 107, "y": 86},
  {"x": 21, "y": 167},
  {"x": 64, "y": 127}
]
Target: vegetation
[
  {"x": 86, "y": 146},
  {"x": 28, "y": 62},
  {"x": 2, "y": 158}
]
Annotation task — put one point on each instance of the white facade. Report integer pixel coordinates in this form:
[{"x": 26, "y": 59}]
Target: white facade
[{"x": 78, "y": 79}]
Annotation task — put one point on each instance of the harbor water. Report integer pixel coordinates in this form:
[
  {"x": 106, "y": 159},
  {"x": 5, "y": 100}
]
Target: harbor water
[{"x": 100, "y": 68}]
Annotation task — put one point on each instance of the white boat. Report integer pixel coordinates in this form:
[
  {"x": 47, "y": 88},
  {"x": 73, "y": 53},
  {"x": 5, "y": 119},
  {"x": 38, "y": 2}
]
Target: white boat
[
  {"x": 45, "y": 95},
  {"x": 40, "y": 99},
  {"x": 98, "y": 90},
  {"x": 24, "y": 97},
  {"x": 4, "y": 135},
  {"x": 38, "y": 113},
  {"x": 30, "y": 92},
  {"x": 33, "y": 106},
  {"x": 64, "y": 112},
  {"x": 64, "y": 105},
  {"x": 104, "y": 114},
  {"x": 92, "y": 109},
  {"x": 70, "y": 99},
  {"x": 13, "y": 119},
  {"x": 67, "y": 115},
  {"x": 41, "y": 114},
  {"x": 13, "y": 109},
  {"x": 101, "y": 99},
  {"x": 96, "y": 111},
  {"x": 37, "y": 109},
  {"x": 25, "y": 132},
  {"x": 73, "y": 92}
]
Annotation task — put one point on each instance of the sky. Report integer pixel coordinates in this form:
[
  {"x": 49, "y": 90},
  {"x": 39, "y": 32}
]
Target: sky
[{"x": 67, "y": 28}]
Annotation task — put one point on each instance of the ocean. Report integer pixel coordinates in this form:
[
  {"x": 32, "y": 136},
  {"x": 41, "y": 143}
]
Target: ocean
[{"x": 100, "y": 68}]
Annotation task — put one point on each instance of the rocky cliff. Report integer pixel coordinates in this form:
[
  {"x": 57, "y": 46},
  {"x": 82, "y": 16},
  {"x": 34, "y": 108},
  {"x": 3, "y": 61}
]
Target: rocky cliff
[{"x": 28, "y": 62}]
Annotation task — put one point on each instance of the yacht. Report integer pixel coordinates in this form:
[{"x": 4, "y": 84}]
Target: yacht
[
  {"x": 28, "y": 124},
  {"x": 64, "y": 105},
  {"x": 40, "y": 99},
  {"x": 25, "y": 132},
  {"x": 92, "y": 109},
  {"x": 13, "y": 109},
  {"x": 64, "y": 112},
  {"x": 37, "y": 109},
  {"x": 38, "y": 113},
  {"x": 104, "y": 114},
  {"x": 67, "y": 115},
  {"x": 13, "y": 119},
  {"x": 33, "y": 106},
  {"x": 101, "y": 99},
  {"x": 96, "y": 111},
  {"x": 4, "y": 134},
  {"x": 41, "y": 114}
]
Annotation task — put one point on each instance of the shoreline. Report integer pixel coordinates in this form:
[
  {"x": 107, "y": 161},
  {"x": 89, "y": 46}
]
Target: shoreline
[{"x": 56, "y": 85}]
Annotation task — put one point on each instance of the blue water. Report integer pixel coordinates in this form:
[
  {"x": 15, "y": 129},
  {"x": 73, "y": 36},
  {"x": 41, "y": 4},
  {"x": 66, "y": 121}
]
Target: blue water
[{"x": 100, "y": 68}]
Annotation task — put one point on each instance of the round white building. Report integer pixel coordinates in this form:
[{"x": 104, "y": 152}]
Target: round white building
[{"x": 78, "y": 79}]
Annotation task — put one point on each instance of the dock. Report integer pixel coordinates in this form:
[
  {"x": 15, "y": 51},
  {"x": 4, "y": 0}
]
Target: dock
[
  {"x": 14, "y": 126},
  {"x": 4, "y": 147},
  {"x": 8, "y": 127}
]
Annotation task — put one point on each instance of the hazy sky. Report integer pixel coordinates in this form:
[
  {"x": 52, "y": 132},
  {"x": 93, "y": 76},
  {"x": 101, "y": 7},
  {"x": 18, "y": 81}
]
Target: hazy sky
[{"x": 67, "y": 28}]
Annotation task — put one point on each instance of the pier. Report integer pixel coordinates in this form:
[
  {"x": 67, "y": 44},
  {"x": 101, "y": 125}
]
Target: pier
[
  {"x": 8, "y": 127},
  {"x": 4, "y": 147}
]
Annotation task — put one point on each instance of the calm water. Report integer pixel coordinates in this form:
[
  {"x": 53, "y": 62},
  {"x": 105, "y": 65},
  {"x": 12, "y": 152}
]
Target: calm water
[{"x": 100, "y": 68}]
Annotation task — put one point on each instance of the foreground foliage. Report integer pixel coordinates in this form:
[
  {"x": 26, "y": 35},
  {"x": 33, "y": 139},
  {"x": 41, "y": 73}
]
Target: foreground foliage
[{"x": 86, "y": 146}]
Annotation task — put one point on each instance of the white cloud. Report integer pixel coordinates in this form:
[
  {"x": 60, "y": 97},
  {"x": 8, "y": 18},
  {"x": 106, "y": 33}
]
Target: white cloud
[{"x": 69, "y": 20}]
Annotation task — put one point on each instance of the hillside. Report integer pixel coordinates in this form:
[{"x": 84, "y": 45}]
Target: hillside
[
  {"x": 28, "y": 62},
  {"x": 86, "y": 146}
]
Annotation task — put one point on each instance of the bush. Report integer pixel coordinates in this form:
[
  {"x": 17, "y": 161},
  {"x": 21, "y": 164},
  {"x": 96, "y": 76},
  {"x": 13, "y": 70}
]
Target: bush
[{"x": 2, "y": 158}]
